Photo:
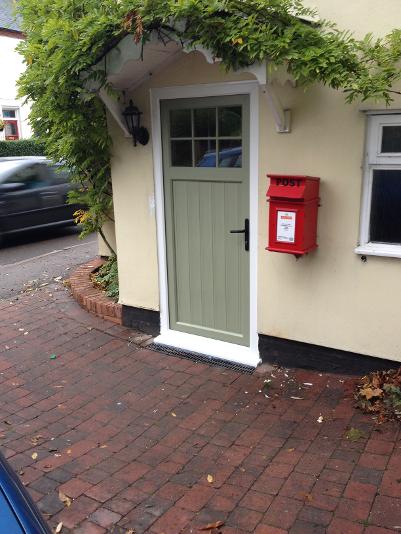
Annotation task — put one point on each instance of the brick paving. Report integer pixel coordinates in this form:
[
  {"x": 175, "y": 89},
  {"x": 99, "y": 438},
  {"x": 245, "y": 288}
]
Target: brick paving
[{"x": 131, "y": 436}]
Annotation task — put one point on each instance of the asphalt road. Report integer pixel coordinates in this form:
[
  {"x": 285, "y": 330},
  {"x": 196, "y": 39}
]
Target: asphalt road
[{"x": 35, "y": 258}]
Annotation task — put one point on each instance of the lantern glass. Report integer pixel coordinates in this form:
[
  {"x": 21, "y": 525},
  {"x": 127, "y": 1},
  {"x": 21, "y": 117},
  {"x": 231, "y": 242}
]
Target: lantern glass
[{"x": 132, "y": 117}]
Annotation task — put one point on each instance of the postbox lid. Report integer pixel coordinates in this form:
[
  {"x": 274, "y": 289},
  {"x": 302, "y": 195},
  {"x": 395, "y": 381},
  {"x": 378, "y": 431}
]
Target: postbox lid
[{"x": 293, "y": 186}]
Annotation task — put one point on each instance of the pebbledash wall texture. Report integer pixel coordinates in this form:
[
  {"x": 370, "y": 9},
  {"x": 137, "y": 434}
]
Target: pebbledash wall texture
[{"x": 334, "y": 297}]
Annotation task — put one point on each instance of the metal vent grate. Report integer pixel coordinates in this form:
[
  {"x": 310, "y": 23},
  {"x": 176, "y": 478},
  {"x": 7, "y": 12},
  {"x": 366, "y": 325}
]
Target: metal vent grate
[{"x": 201, "y": 358}]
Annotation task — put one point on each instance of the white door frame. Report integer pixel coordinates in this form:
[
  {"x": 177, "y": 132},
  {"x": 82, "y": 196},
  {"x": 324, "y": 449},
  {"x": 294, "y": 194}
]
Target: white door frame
[{"x": 218, "y": 349}]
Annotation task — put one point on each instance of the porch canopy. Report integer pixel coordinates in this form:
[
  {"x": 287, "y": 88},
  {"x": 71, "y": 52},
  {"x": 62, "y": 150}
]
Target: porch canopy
[{"x": 129, "y": 64}]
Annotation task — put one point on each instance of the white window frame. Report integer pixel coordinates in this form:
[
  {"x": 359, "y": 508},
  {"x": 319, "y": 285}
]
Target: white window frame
[{"x": 374, "y": 160}]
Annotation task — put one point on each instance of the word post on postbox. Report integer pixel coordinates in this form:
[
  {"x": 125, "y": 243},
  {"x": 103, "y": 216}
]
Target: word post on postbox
[{"x": 294, "y": 202}]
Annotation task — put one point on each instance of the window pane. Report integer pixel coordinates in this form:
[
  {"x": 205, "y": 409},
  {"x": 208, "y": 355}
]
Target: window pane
[
  {"x": 9, "y": 113},
  {"x": 181, "y": 153},
  {"x": 11, "y": 129},
  {"x": 205, "y": 122},
  {"x": 230, "y": 122},
  {"x": 30, "y": 176},
  {"x": 391, "y": 139},
  {"x": 230, "y": 153},
  {"x": 58, "y": 174},
  {"x": 180, "y": 123},
  {"x": 385, "y": 215},
  {"x": 205, "y": 153}
]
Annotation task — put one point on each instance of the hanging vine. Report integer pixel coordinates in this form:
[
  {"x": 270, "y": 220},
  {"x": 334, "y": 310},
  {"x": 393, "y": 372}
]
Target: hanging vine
[{"x": 64, "y": 38}]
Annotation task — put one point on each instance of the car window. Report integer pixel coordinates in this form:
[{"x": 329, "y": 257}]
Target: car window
[
  {"x": 32, "y": 177},
  {"x": 58, "y": 174}
]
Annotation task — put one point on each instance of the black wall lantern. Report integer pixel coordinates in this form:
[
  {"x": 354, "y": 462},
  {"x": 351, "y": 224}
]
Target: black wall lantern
[{"x": 132, "y": 117}]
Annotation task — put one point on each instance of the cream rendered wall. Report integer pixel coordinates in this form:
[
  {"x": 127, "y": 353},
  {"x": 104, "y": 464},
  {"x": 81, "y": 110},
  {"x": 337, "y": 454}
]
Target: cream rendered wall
[
  {"x": 329, "y": 297},
  {"x": 359, "y": 16}
]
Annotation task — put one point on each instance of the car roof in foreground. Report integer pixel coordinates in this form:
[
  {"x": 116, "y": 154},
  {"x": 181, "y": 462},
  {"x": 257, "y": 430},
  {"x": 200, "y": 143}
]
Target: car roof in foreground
[{"x": 9, "y": 165}]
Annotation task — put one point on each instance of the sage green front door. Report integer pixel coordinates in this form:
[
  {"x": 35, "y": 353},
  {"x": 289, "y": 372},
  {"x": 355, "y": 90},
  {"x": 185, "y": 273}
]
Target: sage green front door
[{"x": 206, "y": 188}]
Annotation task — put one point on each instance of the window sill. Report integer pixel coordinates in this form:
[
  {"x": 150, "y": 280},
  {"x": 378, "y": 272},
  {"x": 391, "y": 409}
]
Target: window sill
[{"x": 379, "y": 249}]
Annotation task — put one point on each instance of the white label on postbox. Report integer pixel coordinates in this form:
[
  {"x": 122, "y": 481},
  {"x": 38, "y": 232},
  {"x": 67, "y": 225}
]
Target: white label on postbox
[{"x": 286, "y": 226}]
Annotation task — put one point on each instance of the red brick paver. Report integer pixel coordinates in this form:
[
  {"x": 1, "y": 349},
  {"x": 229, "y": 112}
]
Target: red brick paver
[{"x": 144, "y": 441}]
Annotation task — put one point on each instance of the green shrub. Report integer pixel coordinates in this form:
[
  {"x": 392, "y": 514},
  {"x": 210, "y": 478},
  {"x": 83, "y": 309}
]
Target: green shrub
[
  {"x": 107, "y": 278},
  {"x": 23, "y": 147}
]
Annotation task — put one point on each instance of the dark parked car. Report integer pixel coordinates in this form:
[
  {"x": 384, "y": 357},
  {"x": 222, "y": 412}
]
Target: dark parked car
[
  {"x": 228, "y": 157},
  {"x": 33, "y": 194},
  {"x": 18, "y": 513}
]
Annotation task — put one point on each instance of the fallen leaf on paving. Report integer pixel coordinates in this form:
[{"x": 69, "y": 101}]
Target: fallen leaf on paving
[
  {"x": 34, "y": 455},
  {"x": 211, "y": 526},
  {"x": 354, "y": 434},
  {"x": 35, "y": 439},
  {"x": 379, "y": 393},
  {"x": 291, "y": 450},
  {"x": 64, "y": 499},
  {"x": 368, "y": 393},
  {"x": 308, "y": 497},
  {"x": 58, "y": 528},
  {"x": 210, "y": 479}
]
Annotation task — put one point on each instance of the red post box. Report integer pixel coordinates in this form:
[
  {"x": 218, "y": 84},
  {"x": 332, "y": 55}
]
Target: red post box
[{"x": 294, "y": 202}]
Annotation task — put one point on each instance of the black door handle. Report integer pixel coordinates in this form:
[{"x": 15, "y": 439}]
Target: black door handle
[{"x": 243, "y": 231}]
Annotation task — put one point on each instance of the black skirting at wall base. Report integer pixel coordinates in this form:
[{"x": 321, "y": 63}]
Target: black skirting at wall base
[
  {"x": 147, "y": 321},
  {"x": 288, "y": 353},
  {"x": 275, "y": 350}
]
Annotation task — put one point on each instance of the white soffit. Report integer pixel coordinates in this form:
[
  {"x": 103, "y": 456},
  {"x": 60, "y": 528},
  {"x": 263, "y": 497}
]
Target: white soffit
[{"x": 129, "y": 64}]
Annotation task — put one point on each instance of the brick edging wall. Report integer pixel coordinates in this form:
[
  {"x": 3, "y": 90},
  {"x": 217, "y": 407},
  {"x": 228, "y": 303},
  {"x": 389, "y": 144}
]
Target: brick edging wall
[{"x": 91, "y": 298}]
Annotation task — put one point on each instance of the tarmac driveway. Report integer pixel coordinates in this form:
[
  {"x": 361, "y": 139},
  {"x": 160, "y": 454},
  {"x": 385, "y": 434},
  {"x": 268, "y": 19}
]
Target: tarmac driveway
[{"x": 111, "y": 437}]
